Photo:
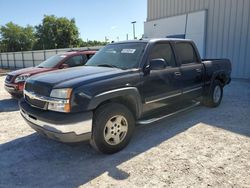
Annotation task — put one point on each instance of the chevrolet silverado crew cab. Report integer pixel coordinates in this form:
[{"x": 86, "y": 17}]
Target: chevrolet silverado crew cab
[
  {"x": 124, "y": 84},
  {"x": 15, "y": 80}
]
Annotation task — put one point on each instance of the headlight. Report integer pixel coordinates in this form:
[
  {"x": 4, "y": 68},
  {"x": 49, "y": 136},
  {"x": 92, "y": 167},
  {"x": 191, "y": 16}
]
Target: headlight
[
  {"x": 61, "y": 93},
  {"x": 21, "y": 78},
  {"x": 62, "y": 105}
]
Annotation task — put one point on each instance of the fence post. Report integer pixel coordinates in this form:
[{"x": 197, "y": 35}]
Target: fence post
[
  {"x": 44, "y": 55},
  {"x": 1, "y": 60},
  {"x": 23, "y": 60},
  {"x": 33, "y": 59},
  {"x": 14, "y": 57},
  {"x": 8, "y": 60}
]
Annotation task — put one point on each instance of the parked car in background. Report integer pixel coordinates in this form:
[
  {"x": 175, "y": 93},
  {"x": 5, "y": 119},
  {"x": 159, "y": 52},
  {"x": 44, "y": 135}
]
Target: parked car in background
[{"x": 15, "y": 80}]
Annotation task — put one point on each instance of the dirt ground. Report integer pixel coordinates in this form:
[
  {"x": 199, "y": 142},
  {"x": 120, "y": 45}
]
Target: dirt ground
[
  {"x": 200, "y": 148},
  {"x": 3, "y": 71}
]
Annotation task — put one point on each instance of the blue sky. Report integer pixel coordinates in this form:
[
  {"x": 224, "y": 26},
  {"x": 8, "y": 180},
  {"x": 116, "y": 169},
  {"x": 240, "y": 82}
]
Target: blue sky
[{"x": 94, "y": 18}]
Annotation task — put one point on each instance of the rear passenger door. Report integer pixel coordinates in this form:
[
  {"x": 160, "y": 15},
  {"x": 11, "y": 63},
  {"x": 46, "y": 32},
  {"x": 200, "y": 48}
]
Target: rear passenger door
[{"x": 192, "y": 71}]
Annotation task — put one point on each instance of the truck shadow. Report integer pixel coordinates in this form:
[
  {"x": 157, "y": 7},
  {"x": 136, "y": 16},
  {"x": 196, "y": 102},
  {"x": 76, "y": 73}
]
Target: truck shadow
[
  {"x": 34, "y": 160},
  {"x": 9, "y": 105}
]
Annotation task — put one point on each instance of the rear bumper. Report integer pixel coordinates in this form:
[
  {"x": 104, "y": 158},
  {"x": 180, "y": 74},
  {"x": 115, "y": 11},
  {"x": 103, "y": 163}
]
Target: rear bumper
[
  {"x": 13, "y": 88},
  {"x": 75, "y": 127}
]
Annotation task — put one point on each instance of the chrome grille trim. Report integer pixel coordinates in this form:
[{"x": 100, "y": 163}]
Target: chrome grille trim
[{"x": 32, "y": 95}]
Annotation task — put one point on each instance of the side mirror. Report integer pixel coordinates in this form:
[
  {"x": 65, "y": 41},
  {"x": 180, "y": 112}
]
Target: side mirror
[
  {"x": 158, "y": 64},
  {"x": 64, "y": 66}
]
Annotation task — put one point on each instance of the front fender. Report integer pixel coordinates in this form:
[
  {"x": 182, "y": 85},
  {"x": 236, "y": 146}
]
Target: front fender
[{"x": 128, "y": 92}]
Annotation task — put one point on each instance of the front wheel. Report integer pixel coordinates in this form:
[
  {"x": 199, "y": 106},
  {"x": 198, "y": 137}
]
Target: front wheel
[
  {"x": 113, "y": 127},
  {"x": 214, "y": 97}
]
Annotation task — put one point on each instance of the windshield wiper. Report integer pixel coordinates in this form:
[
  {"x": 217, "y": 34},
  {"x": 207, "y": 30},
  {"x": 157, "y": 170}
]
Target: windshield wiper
[
  {"x": 40, "y": 66},
  {"x": 107, "y": 65}
]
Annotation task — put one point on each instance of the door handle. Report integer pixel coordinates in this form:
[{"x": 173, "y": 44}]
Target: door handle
[
  {"x": 177, "y": 74},
  {"x": 198, "y": 70}
]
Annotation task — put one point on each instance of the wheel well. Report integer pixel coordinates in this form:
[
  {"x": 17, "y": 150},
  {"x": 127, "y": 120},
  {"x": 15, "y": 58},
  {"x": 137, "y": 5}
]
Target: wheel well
[
  {"x": 127, "y": 101},
  {"x": 222, "y": 78}
]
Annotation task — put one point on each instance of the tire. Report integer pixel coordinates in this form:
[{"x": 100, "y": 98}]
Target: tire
[
  {"x": 214, "y": 97},
  {"x": 113, "y": 126}
]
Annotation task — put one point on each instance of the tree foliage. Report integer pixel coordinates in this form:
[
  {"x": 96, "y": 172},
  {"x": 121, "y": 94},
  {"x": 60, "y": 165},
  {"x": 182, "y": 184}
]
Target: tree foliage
[
  {"x": 52, "y": 33},
  {"x": 16, "y": 38},
  {"x": 91, "y": 43},
  {"x": 56, "y": 33}
]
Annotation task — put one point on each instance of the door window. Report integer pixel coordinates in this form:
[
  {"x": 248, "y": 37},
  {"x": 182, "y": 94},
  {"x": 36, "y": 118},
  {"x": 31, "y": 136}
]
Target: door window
[
  {"x": 165, "y": 52},
  {"x": 186, "y": 53}
]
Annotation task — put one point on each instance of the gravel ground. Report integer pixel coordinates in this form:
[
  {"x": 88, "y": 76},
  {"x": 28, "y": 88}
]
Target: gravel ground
[
  {"x": 4, "y": 71},
  {"x": 200, "y": 148}
]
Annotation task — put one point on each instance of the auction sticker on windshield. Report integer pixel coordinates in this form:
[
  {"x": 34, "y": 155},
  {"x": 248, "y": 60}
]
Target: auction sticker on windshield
[{"x": 128, "y": 51}]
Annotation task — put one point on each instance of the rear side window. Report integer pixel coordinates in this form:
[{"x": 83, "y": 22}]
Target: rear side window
[
  {"x": 75, "y": 61},
  {"x": 90, "y": 55},
  {"x": 165, "y": 52},
  {"x": 85, "y": 58},
  {"x": 186, "y": 53}
]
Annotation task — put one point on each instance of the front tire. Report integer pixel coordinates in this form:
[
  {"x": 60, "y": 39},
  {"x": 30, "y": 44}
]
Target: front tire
[
  {"x": 113, "y": 126},
  {"x": 214, "y": 97}
]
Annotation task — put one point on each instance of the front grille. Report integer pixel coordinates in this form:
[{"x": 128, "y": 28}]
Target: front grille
[
  {"x": 8, "y": 78},
  {"x": 36, "y": 103},
  {"x": 37, "y": 88},
  {"x": 35, "y": 91}
]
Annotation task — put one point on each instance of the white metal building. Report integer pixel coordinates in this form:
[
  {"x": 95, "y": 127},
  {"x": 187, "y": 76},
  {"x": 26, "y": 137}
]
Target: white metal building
[{"x": 220, "y": 28}]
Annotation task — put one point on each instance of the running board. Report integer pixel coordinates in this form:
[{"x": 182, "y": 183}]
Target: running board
[{"x": 148, "y": 121}]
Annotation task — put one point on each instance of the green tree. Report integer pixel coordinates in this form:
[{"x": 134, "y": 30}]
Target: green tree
[
  {"x": 56, "y": 32},
  {"x": 16, "y": 38},
  {"x": 91, "y": 43}
]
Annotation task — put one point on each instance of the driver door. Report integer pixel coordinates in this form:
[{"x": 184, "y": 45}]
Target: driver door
[{"x": 161, "y": 86}]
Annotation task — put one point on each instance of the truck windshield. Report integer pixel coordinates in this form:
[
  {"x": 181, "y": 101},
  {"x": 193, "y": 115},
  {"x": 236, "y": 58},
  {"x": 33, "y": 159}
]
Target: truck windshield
[
  {"x": 51, "y": 62},
  {"x": 123, "y": 56}
]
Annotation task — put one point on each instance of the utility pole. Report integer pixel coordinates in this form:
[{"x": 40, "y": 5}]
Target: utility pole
[
  {"x": 127, "y": 36},
  {"x": 133, "y": 28}
]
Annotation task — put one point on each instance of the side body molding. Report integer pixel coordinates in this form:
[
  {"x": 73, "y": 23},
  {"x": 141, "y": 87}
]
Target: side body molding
[{"x": 130, "y": 93}]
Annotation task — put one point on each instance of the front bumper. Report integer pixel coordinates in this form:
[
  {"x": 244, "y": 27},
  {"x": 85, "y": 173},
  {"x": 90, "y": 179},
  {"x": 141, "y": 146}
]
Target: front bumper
[
  {"x": 75, "y": 127},
  {"x": 14, "y": 88}
]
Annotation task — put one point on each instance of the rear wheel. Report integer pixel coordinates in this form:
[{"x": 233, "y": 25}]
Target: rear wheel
[
  {"x": 113, "y": 127},
  {"x": 214, "y": 97}
]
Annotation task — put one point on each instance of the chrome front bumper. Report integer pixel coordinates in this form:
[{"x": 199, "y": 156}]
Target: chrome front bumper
[
  {"x": 75, "y": 128},
  {"x": 12, "y": 88}
]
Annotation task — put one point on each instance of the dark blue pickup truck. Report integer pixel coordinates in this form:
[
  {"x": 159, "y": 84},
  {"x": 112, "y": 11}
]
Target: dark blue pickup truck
[{"x": 124, "y": 84}]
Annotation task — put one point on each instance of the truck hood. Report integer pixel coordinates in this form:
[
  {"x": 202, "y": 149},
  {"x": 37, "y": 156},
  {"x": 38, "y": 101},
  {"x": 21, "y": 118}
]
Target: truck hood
[
  {"x": 72, "y": 77},
  {"x": 30, "y": 70}
]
